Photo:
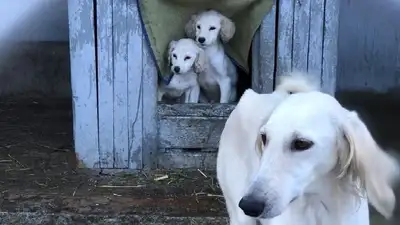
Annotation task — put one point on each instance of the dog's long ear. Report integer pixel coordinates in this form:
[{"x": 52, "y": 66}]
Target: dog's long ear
[
  {"x": 228, "y": 29},
  {"x": 190, "y": 27},
  {"x": 200, "y": 64},
  {"x": 366, "y": 162},
  {"x": 171, "y": 47},
  {"x": 259, "y": 145},
  {"x": 252, "y": 112}
]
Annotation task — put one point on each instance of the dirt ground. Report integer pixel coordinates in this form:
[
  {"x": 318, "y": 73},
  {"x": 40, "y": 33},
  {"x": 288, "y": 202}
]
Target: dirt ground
[
  {"x": 37, "y": 167},
  {"x": 37, "y": 172}
]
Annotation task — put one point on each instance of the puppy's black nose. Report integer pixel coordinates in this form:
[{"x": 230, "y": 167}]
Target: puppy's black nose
[
  {"x": 251, "y": 206},
  {"x": 177, "y": 69},
  {"x": 201, "y": 40}
]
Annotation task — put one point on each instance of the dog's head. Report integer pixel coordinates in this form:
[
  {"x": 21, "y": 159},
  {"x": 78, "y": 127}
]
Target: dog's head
[
  {"x": 308, "y": 138},
  {"x": 207, "y": 27},
  {"x": 185, "y": 55}
]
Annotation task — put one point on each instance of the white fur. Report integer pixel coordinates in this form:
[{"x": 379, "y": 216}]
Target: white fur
[
  {"x": 183, "y": 54},
  {"x": 328, "y": 181},
  {"x": 223, "y": 73}
]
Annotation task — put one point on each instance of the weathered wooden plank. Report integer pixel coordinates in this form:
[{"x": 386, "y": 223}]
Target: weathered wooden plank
[
  {"x": 190, "y": 132},
  {"x": 301, "y": 34},
  {"x": 105, "y": 79},
  {"x": 120, "y": 56},
  {"x": 263, "y": 54},
  {"x": 149, "y": 98},
  {"x": 83, "y": 81},
  {"x": 135, "y": 84},
  {"x": 186, "y": 160},
  {"x": 196, "y": 110},
  {"x": 330, "y": 49},
  {"x": 285, "y": 36},
  {"x": 255, "y": 62},
  {"x": 316, "y": 38}
]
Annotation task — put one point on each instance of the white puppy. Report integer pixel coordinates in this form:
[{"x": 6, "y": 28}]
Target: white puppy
[
  {"x": 187, "y": 60},
  {"x": 301, "y": 159},
  {"x": 209, "y": 28}
]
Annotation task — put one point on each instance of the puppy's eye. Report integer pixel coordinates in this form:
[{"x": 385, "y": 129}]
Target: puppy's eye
[
  {"x": 174, "y": 56},
  {"x": 212, "y": 28},
  {"x": 300, "y": 144},
  {"x": 263, "y": 139},
  {"x": 198, "y": 27},
  {"x": 187, "y": 58}
]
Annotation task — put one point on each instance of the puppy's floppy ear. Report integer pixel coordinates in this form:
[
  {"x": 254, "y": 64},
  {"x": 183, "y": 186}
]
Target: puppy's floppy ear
[
  {"x": 190, "y": 27},
  {"x": 200, "y": 64},
  {"x": 228, "y": 28},
  {"x": 366, "y": 162},
  {"x": 171, "y": 47}
]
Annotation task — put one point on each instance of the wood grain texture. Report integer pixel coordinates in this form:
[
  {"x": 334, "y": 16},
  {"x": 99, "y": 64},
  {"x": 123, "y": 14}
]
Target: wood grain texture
[
  {"x": 301, "y": 34},
  {"x": 186, "y": 160},
  {"x": 135, "y": 86},
  {"x": 263, "y": 55},
  {"x": 255, "y": 62},
  {"x": 190, "y": 132},
  {"x": 120, "y": 84},
  {"x": 307, "y": 39},
  {"x": 120, "y": 94},
  {"x": 329, "y": 58},
  {"x": 195, "y": 110},
  {"x": 192, "y": 126},
  {"x": 149, "y": 98},
  {"x": 369, "y": 46},
  {"x": 83, "y": 81},
  {"x": 316, "y": 37},
  {"x": 105, "y": 85},
  {"x": 285, "y": 36}
]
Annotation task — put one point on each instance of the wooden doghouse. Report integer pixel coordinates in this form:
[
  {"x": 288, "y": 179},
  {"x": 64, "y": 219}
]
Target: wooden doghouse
[{"x": 118, "y": 123}]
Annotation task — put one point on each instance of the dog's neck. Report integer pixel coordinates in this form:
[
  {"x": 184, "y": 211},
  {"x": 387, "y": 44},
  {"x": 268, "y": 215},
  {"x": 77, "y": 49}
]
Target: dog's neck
[
  {"x": 213, "y": 48},
  {"x": 186, "y": 75}
]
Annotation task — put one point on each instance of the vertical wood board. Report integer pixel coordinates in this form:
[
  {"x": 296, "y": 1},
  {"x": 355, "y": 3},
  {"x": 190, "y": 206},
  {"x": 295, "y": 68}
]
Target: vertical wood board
[
  {"x": 120, "y": 50},
  {"x": 105, "y": 83},
  {"x": 120, "y": 103},
  {"x": 149, "y": 98},
  {"x": 330, "y": 46},
  {"x": 315, "y": 47},
  {"x": 301, "y": 34},
  {"x": 83, "y": 81},
  {"x": 263, "y": 52},
  {"x": 135, "y": 86},
  {"x": 307, "y": 39},
  {"x": 285, "y": 36}
]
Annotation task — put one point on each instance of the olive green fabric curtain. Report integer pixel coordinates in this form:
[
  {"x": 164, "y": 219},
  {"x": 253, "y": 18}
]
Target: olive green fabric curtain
[{"x": 164, "y": 20}]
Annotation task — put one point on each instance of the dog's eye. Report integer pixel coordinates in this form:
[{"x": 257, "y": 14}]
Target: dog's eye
[
  {"x": 174, "y": 56},
  {"x": 187, "y": 58},
  {"x": 198, "y": 27},
  {"x": 263, "y": 139},
  {"x": 212, "y": 28},
  {"x": 299, "y": 144}
]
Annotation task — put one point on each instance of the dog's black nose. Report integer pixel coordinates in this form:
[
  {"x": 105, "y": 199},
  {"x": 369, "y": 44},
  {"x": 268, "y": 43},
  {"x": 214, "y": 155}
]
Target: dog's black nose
[
  {"x": 251, "y": 206},
  {"x": 201, "y": 40},
  {"x": 177, "y": 69}
]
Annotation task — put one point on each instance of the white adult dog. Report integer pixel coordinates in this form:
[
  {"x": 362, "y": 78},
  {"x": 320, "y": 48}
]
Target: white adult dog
[
  {"x": 187, "y": 61},
  {"x": 209, "y": 28},
  {"x": 301, "y": 159}
]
